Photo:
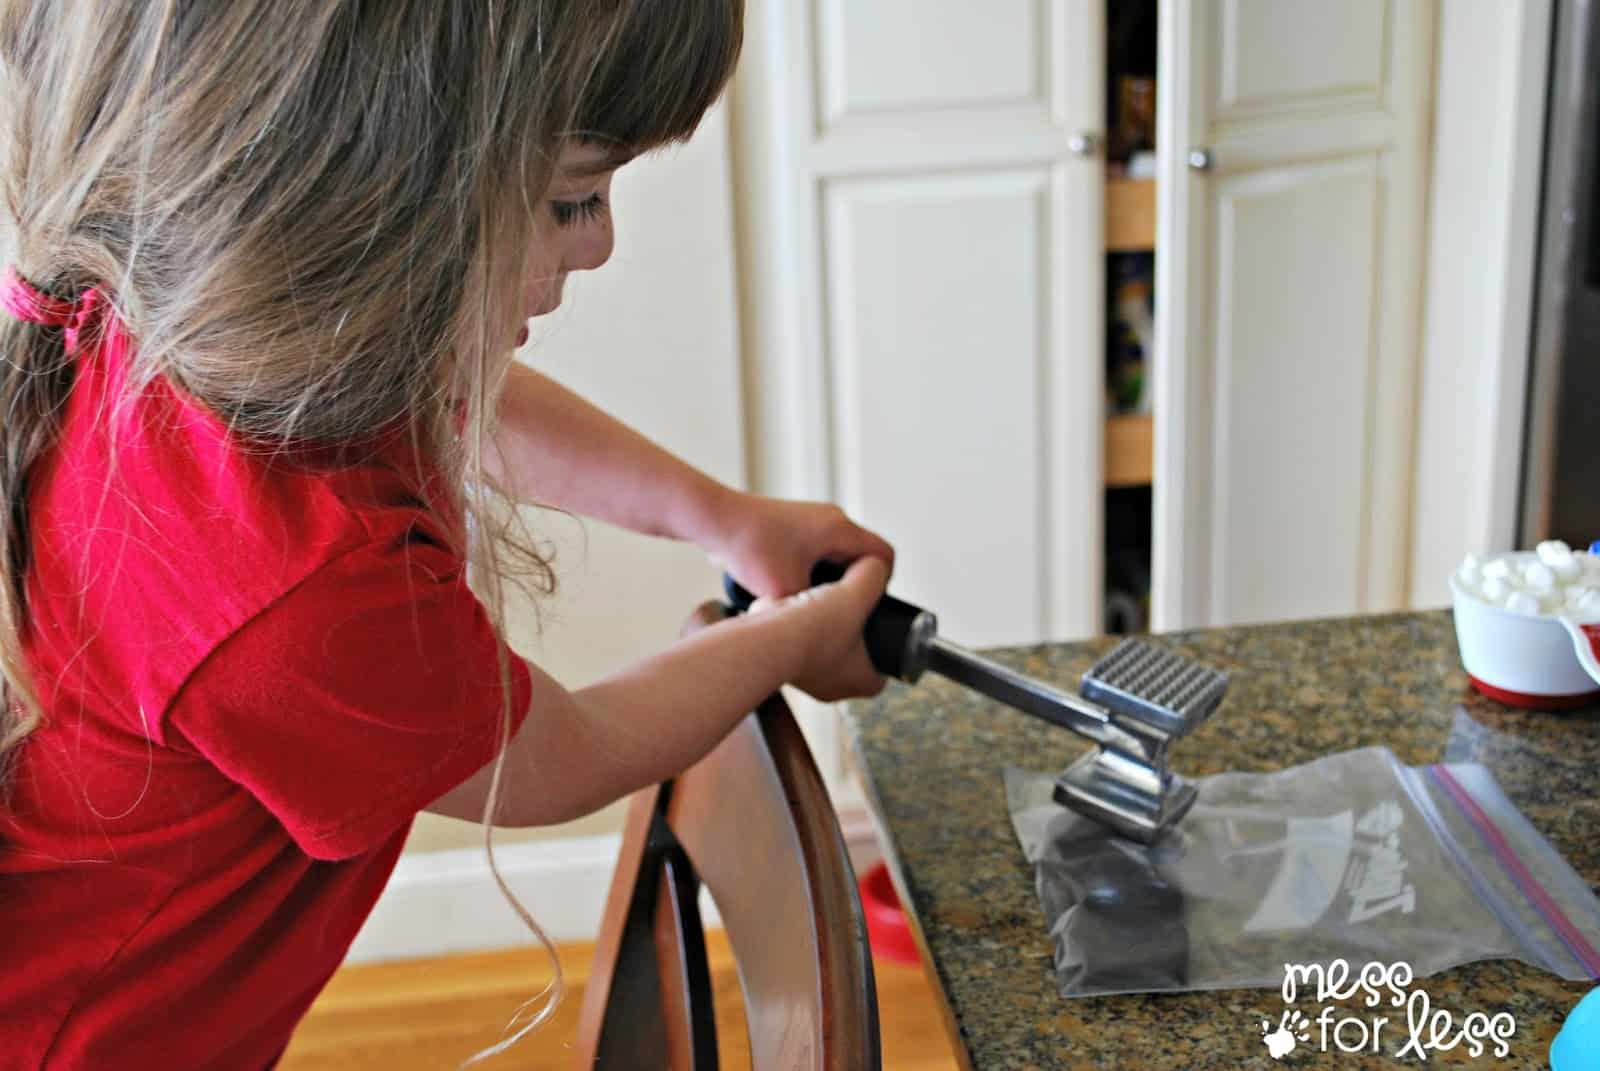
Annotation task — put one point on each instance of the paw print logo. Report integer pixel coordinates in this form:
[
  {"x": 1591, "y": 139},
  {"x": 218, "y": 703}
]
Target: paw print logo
[{"x": 1292, "y": 1029}]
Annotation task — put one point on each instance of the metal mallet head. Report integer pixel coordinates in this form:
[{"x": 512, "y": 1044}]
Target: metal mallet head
[{"x": 1156, "y": 696}]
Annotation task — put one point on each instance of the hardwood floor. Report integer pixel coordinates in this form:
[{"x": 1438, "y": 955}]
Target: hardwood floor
[{"x": 426, "y": 1015}]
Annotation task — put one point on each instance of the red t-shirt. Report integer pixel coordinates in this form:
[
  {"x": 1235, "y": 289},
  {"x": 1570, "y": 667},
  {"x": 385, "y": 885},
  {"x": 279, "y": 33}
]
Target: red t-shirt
[{"x": 255, "y": 675}]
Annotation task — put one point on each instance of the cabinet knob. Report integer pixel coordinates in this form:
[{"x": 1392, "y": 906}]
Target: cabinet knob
[
  {"x": 1200, "y": 159},
  {"x": 1084, "y": 143}
]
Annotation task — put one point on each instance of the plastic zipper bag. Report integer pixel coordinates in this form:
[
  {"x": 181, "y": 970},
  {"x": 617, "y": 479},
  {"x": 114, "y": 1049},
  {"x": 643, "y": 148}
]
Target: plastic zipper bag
[{"x": 1353, "y": 856}]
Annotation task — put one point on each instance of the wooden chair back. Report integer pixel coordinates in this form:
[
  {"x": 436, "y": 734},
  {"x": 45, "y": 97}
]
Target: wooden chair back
[{"x": 754, "y": 824}]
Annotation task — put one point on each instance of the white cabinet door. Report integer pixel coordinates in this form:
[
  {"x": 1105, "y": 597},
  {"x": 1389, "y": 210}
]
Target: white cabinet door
[
  {"x": 922, "y": 292},
  {"x": 1291, "y": 204},
  {"x": 923, "y": 284}
]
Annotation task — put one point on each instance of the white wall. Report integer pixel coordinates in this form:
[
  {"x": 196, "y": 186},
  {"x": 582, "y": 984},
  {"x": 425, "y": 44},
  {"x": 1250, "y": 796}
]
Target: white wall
[
  {"x": 1483, "y": 215},
  {"x": 652, "y": 339}
]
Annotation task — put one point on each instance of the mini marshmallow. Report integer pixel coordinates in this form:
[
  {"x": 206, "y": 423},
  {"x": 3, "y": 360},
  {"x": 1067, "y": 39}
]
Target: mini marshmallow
[
  {"x": 1470, "y": 573},
  {"x": 1552, "y": 549},
  {"x": 1539, "y": 577},
  {"x": 1589, "y": 603},
  {"x": 1523, "y": 603},
  {"x": 1574, "y": 595},
  {"x": 1499, "y": 569},
  {"x": 1495, "y": 588}
]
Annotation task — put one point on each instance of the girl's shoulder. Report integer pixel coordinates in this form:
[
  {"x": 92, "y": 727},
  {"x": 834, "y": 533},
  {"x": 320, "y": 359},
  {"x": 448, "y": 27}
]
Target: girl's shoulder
[
  {"x": 156, "y": 533},
  {"x": 304, "y": 629}
]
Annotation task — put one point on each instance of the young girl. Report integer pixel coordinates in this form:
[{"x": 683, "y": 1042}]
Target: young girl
[{"x": 272, "y": 257}]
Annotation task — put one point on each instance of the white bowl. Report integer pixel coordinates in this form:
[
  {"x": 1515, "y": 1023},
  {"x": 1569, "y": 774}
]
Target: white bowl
[{"x": 1523, "y": 659}]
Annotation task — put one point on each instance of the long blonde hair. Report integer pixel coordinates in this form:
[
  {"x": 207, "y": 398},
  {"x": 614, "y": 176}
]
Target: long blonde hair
[{"x": 312, "y": 215}]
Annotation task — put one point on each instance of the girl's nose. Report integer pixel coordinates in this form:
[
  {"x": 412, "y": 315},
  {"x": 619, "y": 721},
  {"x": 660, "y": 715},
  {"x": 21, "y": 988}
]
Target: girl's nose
[{"x": 593, "y": 248}]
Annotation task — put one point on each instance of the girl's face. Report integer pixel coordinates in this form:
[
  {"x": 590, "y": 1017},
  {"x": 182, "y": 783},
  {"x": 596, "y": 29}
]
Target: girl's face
[{"x": 572, "y": 226}]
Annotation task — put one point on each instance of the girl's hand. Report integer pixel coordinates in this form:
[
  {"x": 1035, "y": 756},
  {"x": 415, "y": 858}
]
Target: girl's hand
[
  {"x": 770, "y": 545},
  {"x": 833, "y": 617}
]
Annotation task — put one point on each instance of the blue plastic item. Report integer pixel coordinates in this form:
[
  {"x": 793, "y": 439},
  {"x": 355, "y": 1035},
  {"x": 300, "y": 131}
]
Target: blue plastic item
[
  {"x": 1594, "y": 548},
  {"x": 1577, "y": 1046}
]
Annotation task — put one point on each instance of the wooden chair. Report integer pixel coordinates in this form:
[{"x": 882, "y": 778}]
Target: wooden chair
[{"x": 753, "y": 823}]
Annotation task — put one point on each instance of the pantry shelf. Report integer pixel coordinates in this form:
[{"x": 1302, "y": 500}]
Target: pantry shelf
[
  {"x": 1130, "y": 215},
  {"x": 1129, "y": 450}
]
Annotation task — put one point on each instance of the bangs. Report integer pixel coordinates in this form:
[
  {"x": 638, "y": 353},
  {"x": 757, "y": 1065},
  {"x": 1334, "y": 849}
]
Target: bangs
[{"x": 667, "y": 65}]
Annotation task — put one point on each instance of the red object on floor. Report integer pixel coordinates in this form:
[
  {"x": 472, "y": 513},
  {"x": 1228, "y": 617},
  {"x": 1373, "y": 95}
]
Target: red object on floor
[
  {"x": 888, "y": 930},
  {"x": 1527, "y": 701}
]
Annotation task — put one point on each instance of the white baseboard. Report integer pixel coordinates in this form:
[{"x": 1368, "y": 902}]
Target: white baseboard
[
  {"x": 438, "y": 903},
  {"x": 441, "y": 903}
]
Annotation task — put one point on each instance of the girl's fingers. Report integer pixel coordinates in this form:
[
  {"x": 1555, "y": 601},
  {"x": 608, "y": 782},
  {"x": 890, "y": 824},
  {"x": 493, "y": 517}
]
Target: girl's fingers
[
  {"x": 868, "y": 576},
  {"x": 861, "y": 543}
]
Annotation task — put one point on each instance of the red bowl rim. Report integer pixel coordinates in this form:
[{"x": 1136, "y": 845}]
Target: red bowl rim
[{"x": 1533, "y": 701}]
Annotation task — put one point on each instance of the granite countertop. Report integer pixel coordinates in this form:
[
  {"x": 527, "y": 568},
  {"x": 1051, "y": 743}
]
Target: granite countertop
[{"x": 933, "y": 757}]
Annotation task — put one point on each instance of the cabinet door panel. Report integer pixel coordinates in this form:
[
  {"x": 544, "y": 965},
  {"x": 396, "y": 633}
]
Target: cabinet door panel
[
  {"x": 938, "y": 294},
  {"x": 890, "y": 55},
  {"x": 1290, "y": 204},
  {"x": 1293, "y": 262},
  {"x": 1280, "y": 54}
]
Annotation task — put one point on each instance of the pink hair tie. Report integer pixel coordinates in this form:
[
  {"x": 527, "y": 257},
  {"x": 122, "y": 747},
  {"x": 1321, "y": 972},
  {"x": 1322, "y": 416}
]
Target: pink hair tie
[{"x": 26, "y": 302}]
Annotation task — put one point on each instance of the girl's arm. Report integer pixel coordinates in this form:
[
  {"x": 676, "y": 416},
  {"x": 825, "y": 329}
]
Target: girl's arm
[
  {"x": 578, "y": 751},
  {"x": 553, "y": 447},
  {"x": 556, "y": 448}
]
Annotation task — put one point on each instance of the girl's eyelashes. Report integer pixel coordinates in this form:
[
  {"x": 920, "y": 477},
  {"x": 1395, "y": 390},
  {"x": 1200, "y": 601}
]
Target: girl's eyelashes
[{"x": 569, "y": 213}]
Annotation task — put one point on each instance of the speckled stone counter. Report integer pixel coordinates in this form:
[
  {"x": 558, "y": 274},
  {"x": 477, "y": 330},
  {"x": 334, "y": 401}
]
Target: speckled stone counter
[{"x": 932, "y": 756}]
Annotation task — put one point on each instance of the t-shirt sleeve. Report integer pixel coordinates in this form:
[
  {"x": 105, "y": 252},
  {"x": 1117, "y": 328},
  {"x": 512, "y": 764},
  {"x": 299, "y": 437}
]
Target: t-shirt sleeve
[{"x": 357, "y": 698}]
